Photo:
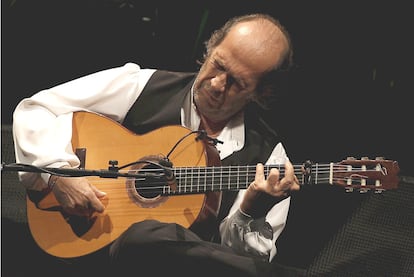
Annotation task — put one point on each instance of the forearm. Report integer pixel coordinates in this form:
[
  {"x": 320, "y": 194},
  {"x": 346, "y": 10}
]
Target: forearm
[
  {"x": 276, "y": 216},
  {"x": 41, "y": 140}
]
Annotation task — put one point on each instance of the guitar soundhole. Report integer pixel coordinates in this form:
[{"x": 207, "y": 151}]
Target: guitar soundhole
[
  {"x": 147, "y": 191},
  {"x": 153, "y": 184}
]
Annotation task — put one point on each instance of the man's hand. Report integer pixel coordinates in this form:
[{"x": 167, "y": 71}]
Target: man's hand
[
  {"x": 77, "y": 196},
  {"x": 262, "y": 194}
]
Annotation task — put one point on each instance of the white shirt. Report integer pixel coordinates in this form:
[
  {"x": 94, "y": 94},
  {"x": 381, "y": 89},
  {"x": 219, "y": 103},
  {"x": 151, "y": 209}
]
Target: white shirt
[{"x": 42, "y": 130}]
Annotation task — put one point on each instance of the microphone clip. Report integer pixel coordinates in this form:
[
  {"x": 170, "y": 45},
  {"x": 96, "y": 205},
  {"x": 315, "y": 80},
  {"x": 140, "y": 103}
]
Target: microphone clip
[{"x": 202, "y": 135}]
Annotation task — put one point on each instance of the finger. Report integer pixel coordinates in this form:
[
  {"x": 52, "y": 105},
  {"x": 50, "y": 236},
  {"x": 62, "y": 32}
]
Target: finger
[
  {"x": 291, "y": 179},
  {"x": 96, "y": 205},
  {"x": 274, "y": 176},
  {"x": 289, "y": 171},
  {"x": 259, "y": 177},
  {"x": 296, "y": 185},
  {"x": 94, "y": 202},
  {"x": 98, "y": 193}
]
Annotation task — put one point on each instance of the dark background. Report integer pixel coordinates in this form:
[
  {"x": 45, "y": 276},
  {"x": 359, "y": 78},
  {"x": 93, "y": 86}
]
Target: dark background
[{"x": 348, "y": 95}]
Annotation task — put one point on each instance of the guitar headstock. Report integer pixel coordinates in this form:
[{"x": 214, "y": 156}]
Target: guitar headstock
[{"x": 366, "y": 174}]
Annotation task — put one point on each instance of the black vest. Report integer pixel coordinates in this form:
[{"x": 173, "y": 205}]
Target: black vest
[{"x": 160, "y": 103}]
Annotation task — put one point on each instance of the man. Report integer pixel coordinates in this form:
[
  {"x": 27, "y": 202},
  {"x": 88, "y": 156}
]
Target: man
[{"x": 241, "y": 63}]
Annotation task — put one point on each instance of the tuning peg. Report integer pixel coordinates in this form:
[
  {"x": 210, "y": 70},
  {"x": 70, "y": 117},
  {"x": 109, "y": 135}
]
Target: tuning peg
[
  {"x": 350, "y": 158},
  {"x": 364, "y": 158},
  {"x": 379, "y": 158},
  {"x": 349, "y": 189}
]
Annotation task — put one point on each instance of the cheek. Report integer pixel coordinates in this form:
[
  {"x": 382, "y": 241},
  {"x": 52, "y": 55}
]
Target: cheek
[
  {"x": 236, "y": 102},
  {"x": 242, "y": 97},
  {"x": 201, "y": 83},
  {"x": 203, "y": 76}
]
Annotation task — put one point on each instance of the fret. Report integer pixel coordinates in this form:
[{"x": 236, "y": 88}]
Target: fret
[
  {"x": 181, "y": 175},
  {"x": 221, "y": 179},
  {"x": 238, "y": 177},
  {"x": 190, "y": 171},
  {"x": 188, "y": 180},
  {"x": 247, "y": 175},
  {"x": 302, "y": 178},
  {"x": 205, "y": 178},
  {"x": 198, "y": 180},
  {"x": 194, "y": 180},
  {"x": 177, "y": 177},
  {"x": 231, "y": 175},
  {"x": 212, "y": 178},
  {"x": 185, "y": 179},
  {"x": 244, "y": 177},
  {"x": 331, "y": 173}
]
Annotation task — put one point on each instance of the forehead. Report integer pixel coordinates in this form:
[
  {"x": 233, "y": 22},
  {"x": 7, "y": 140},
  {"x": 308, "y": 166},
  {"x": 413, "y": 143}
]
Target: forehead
[{"x": 252, "y": 47}]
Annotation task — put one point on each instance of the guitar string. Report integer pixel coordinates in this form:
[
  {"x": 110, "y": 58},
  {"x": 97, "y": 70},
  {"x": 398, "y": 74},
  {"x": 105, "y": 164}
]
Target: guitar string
[
  {"x": 207, "y": 171},
  {"x": 210, "y": 174},
  {"x": 280, "y": 167},
  {"x": 243, "y": 169},
  {"x": 250, "y": 168}
]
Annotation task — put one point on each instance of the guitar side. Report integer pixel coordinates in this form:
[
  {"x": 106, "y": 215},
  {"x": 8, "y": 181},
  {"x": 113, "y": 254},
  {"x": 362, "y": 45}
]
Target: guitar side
[{"x": 104, "y": 140}]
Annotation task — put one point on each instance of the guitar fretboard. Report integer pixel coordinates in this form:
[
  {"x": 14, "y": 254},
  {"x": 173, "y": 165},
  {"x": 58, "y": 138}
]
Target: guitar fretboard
[{"x": 233, "y": 178}]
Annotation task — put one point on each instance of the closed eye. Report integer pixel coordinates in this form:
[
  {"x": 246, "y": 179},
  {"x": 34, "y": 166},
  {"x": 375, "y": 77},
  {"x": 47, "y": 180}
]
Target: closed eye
[{"x": 231, "y": 79}]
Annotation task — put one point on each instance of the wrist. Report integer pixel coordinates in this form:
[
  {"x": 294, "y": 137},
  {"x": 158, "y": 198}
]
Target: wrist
[{"x": 52, "y": 182}]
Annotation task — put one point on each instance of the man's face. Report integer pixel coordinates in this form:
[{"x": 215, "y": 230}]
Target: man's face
[{"x": 228, "y": 79}]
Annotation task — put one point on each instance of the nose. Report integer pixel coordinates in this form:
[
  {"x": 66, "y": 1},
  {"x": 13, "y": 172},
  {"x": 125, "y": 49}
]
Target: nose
[{"x": 219, "y": 82}]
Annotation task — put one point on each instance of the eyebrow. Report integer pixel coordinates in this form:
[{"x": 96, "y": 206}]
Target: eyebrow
[{"x": 238, "y": 79}]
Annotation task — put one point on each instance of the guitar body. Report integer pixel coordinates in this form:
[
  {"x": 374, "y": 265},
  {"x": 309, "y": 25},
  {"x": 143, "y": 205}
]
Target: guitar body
[{"x": 101, "y": 140}]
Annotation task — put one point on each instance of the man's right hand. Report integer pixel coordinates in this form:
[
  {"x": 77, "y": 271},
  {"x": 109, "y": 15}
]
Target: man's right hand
[{"x": 77, "y": 196}]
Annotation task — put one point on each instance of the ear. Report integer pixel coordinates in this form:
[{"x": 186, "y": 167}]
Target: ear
[{"x": 267, "y": 91}]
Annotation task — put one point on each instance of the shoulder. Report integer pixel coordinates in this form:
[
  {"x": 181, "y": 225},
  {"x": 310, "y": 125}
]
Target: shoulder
[{"x": 160, "y": 73}]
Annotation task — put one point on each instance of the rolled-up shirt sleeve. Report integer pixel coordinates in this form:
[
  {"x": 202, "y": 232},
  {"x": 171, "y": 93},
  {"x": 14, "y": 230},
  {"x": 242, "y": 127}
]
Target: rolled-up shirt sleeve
[
  {"x": 246, "y": 235},
  {"x": 256, "y": 236}
]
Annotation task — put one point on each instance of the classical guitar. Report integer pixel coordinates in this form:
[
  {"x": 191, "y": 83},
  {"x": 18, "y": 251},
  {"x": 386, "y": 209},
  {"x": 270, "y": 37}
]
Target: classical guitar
[{"x": 171, "y": 176}]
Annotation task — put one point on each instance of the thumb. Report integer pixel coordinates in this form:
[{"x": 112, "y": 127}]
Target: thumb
[{"x": 96, "y": 204}]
